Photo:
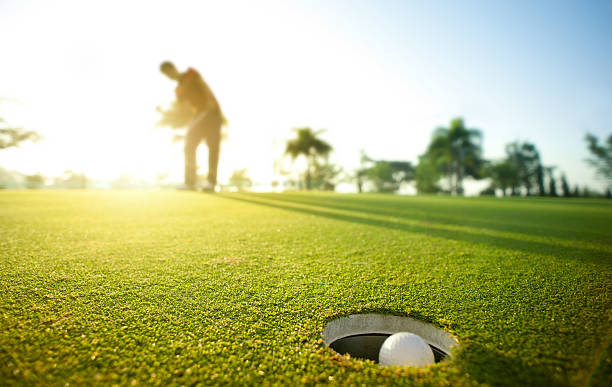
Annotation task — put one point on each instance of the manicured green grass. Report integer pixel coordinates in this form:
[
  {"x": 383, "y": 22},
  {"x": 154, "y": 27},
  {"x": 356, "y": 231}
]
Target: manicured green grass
[{"x": 179, "y": 287}]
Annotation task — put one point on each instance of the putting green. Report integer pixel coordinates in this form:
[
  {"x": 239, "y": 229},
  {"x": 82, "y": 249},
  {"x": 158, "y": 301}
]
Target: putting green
[{"x": 161, "y": 288}]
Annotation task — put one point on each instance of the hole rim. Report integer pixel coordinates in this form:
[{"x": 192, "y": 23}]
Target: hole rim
[{"x": 440, "y": 340}]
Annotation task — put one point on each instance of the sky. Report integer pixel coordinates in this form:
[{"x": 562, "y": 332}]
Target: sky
[{"x": 378, "y": 76}]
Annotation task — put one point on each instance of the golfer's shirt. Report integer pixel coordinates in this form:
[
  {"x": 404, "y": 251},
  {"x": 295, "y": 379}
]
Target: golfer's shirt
[{"x": 193, "y": 90}]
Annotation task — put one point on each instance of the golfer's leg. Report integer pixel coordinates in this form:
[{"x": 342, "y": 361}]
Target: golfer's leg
[
  {"x": 191, "y": 145},
  {"x": 213, "y": 143}
]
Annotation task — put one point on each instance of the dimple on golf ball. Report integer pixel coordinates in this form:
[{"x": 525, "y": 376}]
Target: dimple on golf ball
[{"x": 405, "y": 349}]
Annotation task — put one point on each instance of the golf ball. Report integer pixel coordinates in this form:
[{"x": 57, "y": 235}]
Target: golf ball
[{"x": 405, "y": 349}]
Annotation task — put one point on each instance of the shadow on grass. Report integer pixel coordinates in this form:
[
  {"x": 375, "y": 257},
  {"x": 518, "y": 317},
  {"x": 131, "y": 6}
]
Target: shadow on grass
[
  {"x": 529, "y": 247},
  {"x": 508, "y": 219},
  {"x": 497, "y": 369},
  {"x": 602, "y": 373}
]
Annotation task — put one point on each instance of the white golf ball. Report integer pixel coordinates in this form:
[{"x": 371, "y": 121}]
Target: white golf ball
[{"x": 405, "y": 349}]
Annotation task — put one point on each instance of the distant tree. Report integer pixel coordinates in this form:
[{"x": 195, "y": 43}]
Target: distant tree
[
  {"x": 565, "y": 188},
  {"x": 552, "y": 184},
  {"x": 602, "y": 157},
  {"x": 311, "y": 147},
  {"x": 10, "y": 179},
  {"x": 360, "y": 176},
  {"x": 504, "y": 175},
  {"x": 71, "y": 179},
  {"x": 608, "y": 193},
  {"x": 590, "y": 193},
  {"x": 13, "y": 136},
  {"x": 123, "y": 181},
  {"x": 34, "y": 181},
  {"x": 362, "y": 172},
  {"x": 403, "y": 171},
  {"x": 489, "y": 191},
  {"x": 325, "y": 175},
  {"x": 381, "y": 176},
  {"x": 240, "y": 179},
  {"x": 387, "y": 176},
  {"x": 526, "y": 160},
  {"x": 586, "y": 192},
  {"x": 576, "y": 192},
  {"x": 540, "y": 178},
  {"x": 456, "y": 152},
  {"x": 426, "y": 176}
]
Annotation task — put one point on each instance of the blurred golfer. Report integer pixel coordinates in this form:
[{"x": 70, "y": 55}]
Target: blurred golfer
[{"x": 206, "y": 125}]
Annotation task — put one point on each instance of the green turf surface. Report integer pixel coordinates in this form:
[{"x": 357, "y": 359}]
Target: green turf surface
[{"x": 181, "y": 287}]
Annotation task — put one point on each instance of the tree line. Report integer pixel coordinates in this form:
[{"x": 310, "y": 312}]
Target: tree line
[{"x": 453, "y": 154}]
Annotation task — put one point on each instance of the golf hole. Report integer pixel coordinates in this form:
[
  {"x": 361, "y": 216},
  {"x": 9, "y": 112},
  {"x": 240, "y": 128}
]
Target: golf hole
[{"x": 362, "y": 335}]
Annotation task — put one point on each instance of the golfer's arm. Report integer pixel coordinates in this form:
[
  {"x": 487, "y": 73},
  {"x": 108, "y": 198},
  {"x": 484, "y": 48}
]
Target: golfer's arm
[
  {"x": 205, "y": 91},
  {"x": 179, "y": 93}
]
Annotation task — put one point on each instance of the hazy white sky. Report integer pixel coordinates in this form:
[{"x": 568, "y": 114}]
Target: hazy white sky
[{"x": 378, "y": 75}]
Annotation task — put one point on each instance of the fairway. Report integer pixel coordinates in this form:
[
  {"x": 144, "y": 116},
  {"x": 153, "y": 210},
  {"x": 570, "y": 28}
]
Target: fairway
[{"x": 159, "y": 288}]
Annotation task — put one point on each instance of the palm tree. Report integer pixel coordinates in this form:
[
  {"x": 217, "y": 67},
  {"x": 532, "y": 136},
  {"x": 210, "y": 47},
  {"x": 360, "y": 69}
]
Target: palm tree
[
  {"x": 307, "y": 144},
  {"x": 602, "y": 157},
  {"x": 456, "y": 151},
  {"x": 12, "y": 136}
]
